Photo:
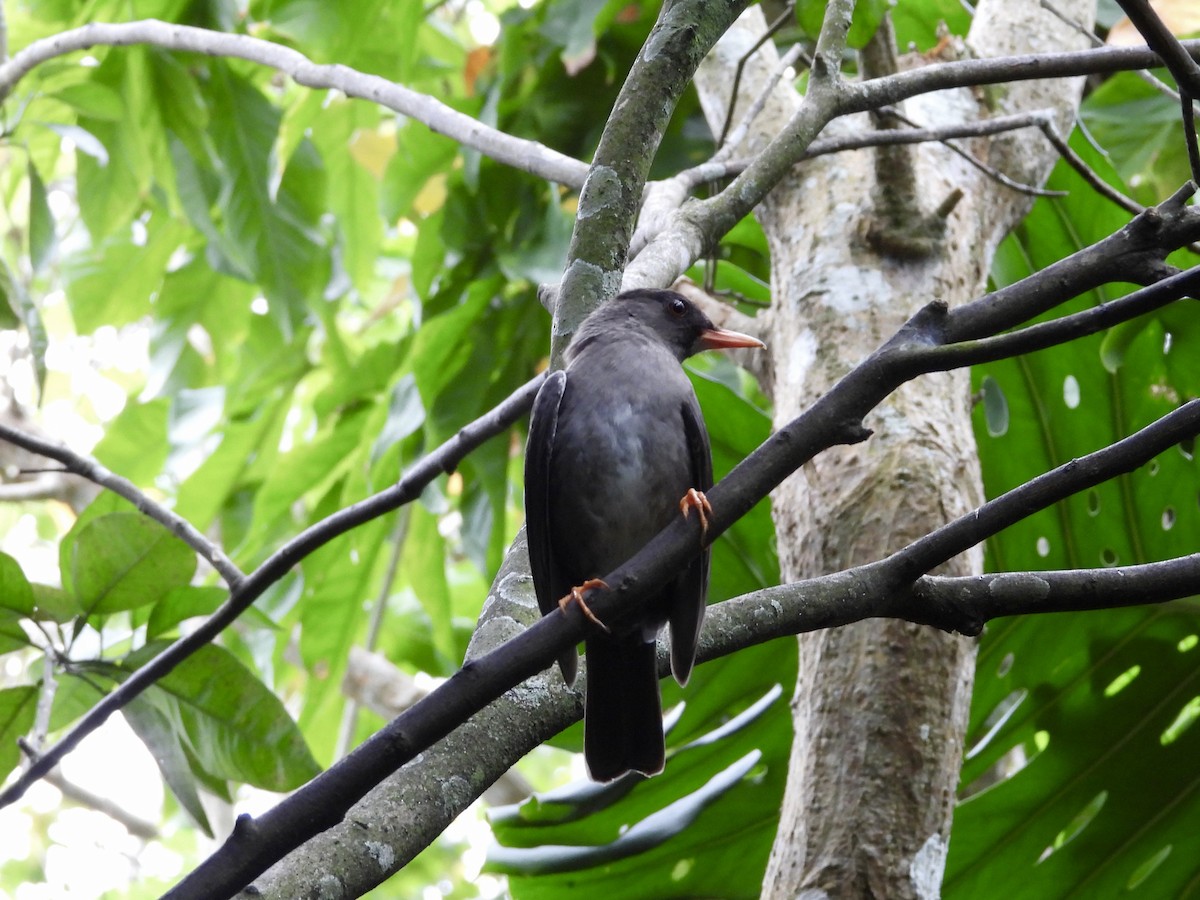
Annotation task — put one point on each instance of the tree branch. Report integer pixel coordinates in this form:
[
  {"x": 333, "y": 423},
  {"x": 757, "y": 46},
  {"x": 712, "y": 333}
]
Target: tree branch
[
  {"x": 527, "y": 156},
  {"x": 611, "y": 197},
  {"x": 443, "y": 459},
  {"x": 835, "y": 418},
  {"x": 702, "y": 222},
  {"x": 86, "y": 467}
]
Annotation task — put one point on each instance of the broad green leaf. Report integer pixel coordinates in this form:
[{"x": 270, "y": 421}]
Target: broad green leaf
[
  {"x": 703, "y": 829},
  {"x": 105, "y": 503},
  {"x": 231, "y": 723},
  {"x": 94, "y": 99},
  {"x": 424, "y": 567},
  {"x": 125, "y": 560},
  {"x": 53, "y": 604},
  {"x": 920, "y": 23},
  {"x": 419, "y": 156},
  {"x": 1085, "y": 706},
  {"x": 82, "y": 140},
  {"x": 286, "y": 254},
  {"x": 12, "y": 635},
  {"x": 17, "y": 707},
  {"x": 111, "y": 185},
  {"x": 73, "y": 697},
  {"x": 119, "y": 259},
  {"x": 353, "y": 190}
]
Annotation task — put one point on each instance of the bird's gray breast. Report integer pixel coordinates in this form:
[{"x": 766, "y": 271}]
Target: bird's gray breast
[{"x": 621, "y": 460}]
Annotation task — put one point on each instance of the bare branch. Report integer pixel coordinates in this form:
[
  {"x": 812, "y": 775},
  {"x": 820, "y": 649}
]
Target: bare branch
[
  {"x": 525, "y": 155},
  {"x": 88, "y": 468}
]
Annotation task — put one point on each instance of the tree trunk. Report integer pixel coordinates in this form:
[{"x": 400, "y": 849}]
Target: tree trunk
[{"x": 880, "y": 707}]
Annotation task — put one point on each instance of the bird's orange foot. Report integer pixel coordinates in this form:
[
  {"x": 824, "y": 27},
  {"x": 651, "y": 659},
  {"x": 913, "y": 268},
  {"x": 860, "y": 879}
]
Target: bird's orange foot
[
  {"x": 576, "y": 596},
  {"x": 696, "y": 500}
]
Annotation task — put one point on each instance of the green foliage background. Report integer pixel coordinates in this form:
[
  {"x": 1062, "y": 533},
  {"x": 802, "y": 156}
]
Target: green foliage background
[{"x": 330, "y": 290}]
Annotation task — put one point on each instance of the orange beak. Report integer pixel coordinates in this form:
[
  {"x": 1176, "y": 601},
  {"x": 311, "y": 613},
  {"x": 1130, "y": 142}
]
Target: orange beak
[{"x": 722, "y": 339}]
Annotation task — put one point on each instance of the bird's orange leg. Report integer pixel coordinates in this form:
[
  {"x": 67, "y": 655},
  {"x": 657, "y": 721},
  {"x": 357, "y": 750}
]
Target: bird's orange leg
[
  {"x": 696, "y": 500},
  {"x": 576, "y": 596}
]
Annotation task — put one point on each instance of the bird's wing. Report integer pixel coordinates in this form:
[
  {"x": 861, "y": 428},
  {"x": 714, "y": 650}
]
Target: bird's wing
[
  {"x": 543, "y": 425},
  {"x": 548, "y": 581},
  {"x": 691, "y": 587}
]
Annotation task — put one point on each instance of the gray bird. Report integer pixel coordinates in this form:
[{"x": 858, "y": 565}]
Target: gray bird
[{"x": 617, "y": 449}]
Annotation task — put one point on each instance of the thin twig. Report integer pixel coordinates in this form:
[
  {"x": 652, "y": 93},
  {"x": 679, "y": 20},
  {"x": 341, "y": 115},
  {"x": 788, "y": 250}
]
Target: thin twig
[
  {"x": 781, "y": 20},
  {"x": 92, "y": 470},
  {"x": 1182, "y": 67},
  {"x": 1148, "y": 77},
  {"x": 727, "y": 143},
  {"x": 990, "y": 171}
]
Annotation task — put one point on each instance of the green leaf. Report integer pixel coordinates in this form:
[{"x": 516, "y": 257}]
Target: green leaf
[
  {"x": 12, "y": 635},
  {"x": 53, "y": 604},
  {"x": 425, "y": 570},
  {"x": 91, "y": 98},
  {"x": 154, "y": 717},
  {"x": 42, "y": 239},
  {"x": 119, "y": 259},
  {"x": 231, "y": 723},
  {"x": 17, "y": 707},
  {"x": 125, "y": 560},
  {"x": 405, "y": 415},
  {"x": 134, "y": 443},
  {"x": 16, "y": 594},
  {"x": 704, "y": 829},
  {"x": 183, "y": 603},
  {"x": 279, "y": 240},
  {"x": 1090, "y": 710},
  {"x": 83, "y": 140}
]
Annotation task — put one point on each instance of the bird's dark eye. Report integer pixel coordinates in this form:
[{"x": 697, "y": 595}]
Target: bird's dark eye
[{"x": 677, "y": 307}]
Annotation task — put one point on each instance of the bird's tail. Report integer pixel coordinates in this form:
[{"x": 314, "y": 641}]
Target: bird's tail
[{"x": 622, "y": 720}]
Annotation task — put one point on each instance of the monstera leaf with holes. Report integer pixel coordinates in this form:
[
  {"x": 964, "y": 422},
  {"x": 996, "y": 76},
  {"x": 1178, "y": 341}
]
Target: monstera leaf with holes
[{"x": 1080, "y": 778}]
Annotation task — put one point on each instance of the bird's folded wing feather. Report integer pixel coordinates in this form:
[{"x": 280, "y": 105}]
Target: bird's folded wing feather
[{"x": 691, "y": 587}]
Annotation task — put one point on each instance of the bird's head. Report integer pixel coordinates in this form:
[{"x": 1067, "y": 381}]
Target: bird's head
[{"x": 665, "y": 316}]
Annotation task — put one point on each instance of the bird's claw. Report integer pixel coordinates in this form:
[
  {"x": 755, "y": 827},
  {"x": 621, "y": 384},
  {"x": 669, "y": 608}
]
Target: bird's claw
[
  {"x": 696, "y": 500},
  {"x": 576, "y": 596}
]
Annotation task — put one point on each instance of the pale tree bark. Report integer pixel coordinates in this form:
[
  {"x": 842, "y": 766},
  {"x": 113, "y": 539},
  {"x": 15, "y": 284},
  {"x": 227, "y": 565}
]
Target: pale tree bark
[{"x": 880, "y": 707}]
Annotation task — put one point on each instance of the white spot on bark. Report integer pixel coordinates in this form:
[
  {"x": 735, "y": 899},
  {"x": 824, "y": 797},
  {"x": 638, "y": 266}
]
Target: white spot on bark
[
  {"x": 925, "y": 870},
  {"x": 850, "y": 290},
  {"x": 801, "y": 357},
  {"x": 383, "y": 854},
  {"x": 329, "y": 887}
]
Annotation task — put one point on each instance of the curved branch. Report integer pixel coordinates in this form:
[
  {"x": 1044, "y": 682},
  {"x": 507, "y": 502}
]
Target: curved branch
[
  {"x": 835, "y": 418},
  {"x": 443, "y": 459},
  {"x": 703, "y": 222},
  {"x": 527, "y": 156}
]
